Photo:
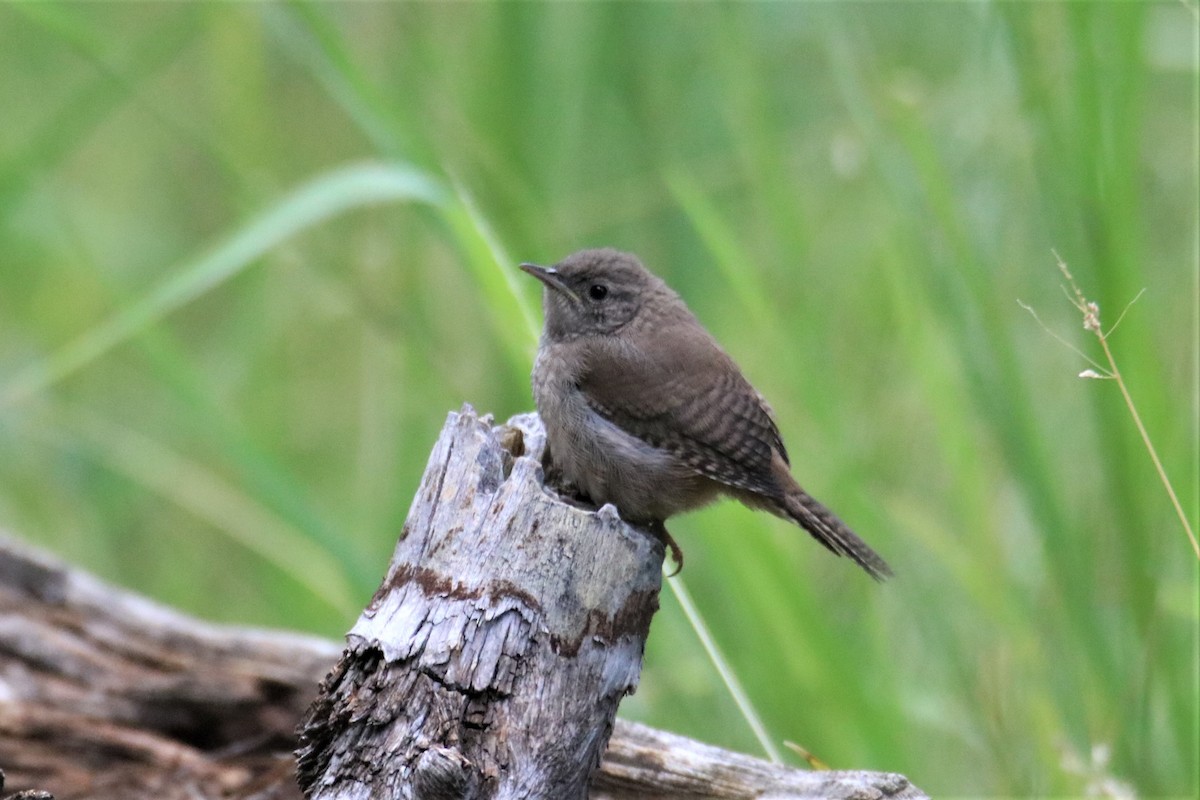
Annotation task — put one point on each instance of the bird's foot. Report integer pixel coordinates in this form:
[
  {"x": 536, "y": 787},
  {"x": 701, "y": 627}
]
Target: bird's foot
[{"x": 660, "y": 532}]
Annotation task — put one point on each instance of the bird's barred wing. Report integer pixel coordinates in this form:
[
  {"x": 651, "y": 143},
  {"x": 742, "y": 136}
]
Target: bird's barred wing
[{"x": 709, "y": 416}]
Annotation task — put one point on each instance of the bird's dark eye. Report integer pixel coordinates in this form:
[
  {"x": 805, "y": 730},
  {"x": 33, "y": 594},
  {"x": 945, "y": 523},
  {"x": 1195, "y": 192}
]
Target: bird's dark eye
[{"x": 597, "y": 291}]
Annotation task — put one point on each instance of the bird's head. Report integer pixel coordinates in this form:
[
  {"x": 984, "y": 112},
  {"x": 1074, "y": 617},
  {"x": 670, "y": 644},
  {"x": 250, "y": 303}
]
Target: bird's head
[{"x": 597, "y": 292}]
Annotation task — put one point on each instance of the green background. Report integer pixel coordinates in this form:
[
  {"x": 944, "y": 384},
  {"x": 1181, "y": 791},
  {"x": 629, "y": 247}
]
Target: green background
[{"x": 251, "y": 255}]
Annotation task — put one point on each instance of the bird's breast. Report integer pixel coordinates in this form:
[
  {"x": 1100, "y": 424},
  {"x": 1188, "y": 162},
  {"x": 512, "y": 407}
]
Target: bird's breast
[{"x": 603, "y": 461}]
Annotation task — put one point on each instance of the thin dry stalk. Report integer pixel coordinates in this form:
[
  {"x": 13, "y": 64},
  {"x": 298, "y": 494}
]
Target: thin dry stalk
[{"x": 1091, "y": 322}]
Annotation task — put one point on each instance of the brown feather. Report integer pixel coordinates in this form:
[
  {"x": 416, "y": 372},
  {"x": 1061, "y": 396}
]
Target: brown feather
[{"x": 709, "y": 416}]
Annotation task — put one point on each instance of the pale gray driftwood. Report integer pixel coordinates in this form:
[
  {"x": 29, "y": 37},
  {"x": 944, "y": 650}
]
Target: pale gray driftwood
[
  {"x": 491, "y": 661},
  {"x": 640, "y": 757}
]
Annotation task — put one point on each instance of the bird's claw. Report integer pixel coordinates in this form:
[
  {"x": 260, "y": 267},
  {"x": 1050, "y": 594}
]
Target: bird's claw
[{"x": 660, "y": 532}]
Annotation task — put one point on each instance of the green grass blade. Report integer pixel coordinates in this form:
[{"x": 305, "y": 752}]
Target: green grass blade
[
  {"x": 718, "y": 236},
  {"x": 326, "y": 196},
  {"x": 496, "y": 273},
  {"x": 208, "y": 496}
]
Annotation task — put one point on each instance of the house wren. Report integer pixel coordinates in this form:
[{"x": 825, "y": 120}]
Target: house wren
[{"x": 644, "y": 410}]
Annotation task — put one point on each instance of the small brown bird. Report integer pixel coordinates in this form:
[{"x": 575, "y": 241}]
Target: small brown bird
[{"x": 644, "y": 410}]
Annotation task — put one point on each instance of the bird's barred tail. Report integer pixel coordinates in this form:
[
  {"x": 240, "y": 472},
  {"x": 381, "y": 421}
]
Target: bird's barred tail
[{"x": 830, "y": 531}]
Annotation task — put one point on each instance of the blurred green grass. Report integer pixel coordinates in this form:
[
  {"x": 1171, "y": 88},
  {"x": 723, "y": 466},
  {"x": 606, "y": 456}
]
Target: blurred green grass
[{"x": 852, "y": 197}]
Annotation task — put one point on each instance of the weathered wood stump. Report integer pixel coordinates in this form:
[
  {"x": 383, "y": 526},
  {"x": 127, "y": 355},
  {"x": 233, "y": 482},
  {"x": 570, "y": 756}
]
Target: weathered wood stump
[
  {"x": 491, "y": 661},
  {"x": 104, "y": 694}
]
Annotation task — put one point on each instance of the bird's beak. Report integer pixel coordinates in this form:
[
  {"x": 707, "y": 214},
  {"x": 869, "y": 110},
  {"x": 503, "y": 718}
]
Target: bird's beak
[{"x": 550, "y": 277}]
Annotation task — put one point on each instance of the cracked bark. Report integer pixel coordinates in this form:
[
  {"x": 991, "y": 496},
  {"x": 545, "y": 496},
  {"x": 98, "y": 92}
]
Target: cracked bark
[
  {"x": 104, "y": 694},
  {"x": 493, "y": 656}
]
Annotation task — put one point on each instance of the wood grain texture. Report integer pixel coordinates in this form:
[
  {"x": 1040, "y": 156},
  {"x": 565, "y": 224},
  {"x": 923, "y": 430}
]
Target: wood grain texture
[
  {"x": 104, "y": 694},
  {"x": 492, "y": 658}
]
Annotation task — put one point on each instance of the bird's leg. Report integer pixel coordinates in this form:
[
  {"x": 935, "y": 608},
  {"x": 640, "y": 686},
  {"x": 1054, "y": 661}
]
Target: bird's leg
[
  {"x": 660, "y": 532},
  {"x": 553, "y": 478},
  {"x": 550, "y": 473},
  {"x": 572, "y": 495}
]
